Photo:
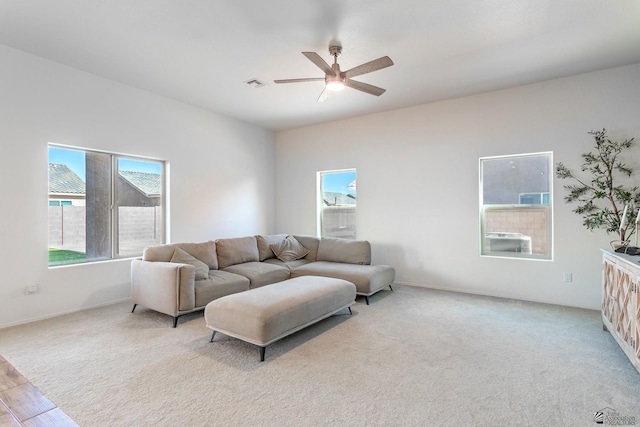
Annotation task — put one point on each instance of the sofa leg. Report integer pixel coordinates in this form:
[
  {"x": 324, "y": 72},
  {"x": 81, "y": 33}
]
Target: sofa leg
[
  {"x": 366, "y": 298},
  {"x": 262, "y": 349},
  {"x": 134, "y": 307},
  {"x": 391, "y": 288},
  {"x": 175, "y": 321},
  {"x": 212, "y": 335},
  {"x": 350, "y": 312}
]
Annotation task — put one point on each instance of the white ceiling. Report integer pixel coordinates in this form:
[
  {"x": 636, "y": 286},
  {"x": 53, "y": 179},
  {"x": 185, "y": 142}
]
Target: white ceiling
[{"x": 202, "y": 51}]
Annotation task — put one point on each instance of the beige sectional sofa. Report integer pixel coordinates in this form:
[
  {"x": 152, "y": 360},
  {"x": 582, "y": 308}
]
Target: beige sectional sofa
[{"x": 180, "y": 278}]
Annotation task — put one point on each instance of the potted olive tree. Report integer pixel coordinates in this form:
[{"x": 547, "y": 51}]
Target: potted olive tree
[{"x": 602, "y": 201}]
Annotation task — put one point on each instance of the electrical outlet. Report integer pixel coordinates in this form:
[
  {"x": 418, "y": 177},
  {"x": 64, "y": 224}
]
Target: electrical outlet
[
  {"x": 568, "y": 277},
  {"x": 31, "y": 288}
]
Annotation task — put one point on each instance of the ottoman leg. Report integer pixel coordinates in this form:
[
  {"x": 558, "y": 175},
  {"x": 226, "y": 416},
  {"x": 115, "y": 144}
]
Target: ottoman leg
[
  {"x": 212, "y": 335},
  {"x": 262, "y": 349},
  {"x": 134, "y": 307},
  {"x": 391, "y": 288}
]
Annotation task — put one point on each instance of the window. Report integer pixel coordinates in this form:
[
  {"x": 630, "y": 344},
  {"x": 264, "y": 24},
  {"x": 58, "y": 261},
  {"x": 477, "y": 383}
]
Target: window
[
  {"x": 534, "y": 199},
  {"x": 60, "y": 202},
  {"x": 102, "y": 205},
  {"x": 337, "y": 203},
  {"x": 515, "y": 206}
]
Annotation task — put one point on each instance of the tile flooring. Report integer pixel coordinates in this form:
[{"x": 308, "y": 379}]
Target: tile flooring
[{"x": 22, "y": 404}]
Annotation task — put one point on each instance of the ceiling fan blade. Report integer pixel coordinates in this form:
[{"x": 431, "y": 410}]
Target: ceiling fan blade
[
  {"x": 323, "y": 95},
  {"x": 320, "y": 63},
  {"x": 364, "y": 87},
  {"x": 310, "y": 79},
  {"x": 368, "y": 67}
]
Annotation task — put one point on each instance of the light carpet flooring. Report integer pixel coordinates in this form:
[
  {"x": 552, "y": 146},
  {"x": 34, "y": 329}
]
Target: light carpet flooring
[{"x": 414, "y": 357}]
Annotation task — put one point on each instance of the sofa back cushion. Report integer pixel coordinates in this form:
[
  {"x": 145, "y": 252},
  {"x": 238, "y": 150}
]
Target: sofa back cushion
[
  {"x": 264, "y": 243},
  {"x": 311, "y": 243},
  {"x": 237, "y": 251},
  {"x": 203, "y": 251},
  {"x": 344, "y": 250}
]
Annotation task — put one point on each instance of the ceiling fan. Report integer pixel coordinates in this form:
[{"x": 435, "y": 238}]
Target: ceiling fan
[{"x": 336, "y": 80}]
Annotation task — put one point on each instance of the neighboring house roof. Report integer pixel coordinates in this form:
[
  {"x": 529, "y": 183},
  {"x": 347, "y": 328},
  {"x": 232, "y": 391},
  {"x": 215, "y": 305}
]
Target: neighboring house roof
[
  {"x": 338, "y": 199},
  {"x": 148, "y": 183},
  {"x": 63, "y": 180}
]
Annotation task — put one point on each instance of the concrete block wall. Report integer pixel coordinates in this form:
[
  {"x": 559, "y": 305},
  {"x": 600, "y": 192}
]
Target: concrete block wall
[
  {"x": 138, "y": 227},
  {"x": 530, "y": 222}
]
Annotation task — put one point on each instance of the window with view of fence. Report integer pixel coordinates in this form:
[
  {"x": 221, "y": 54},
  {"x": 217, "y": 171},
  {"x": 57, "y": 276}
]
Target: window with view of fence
[
  {"x": 516, "y": 206},
  {"x": 337, "y": 203},
  {"x": 102, "y": 205}
]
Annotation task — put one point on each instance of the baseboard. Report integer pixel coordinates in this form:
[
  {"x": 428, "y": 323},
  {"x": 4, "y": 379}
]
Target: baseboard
[
  {"x": 61, "y": 313},
  {"x": 490, "y": 294},
  {"x": 397, "y": 282}
]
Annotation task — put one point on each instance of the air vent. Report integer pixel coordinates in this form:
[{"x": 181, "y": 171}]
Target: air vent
[{"x": 255, "y": 83}]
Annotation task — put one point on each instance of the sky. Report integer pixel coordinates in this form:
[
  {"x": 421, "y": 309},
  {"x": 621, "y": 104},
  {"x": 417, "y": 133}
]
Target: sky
[
  {"x": 339, "y": 182},
  {"x": 75, "y": 160}
]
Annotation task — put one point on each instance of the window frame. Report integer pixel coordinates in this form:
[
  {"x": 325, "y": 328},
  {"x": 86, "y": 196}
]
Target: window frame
[
  {"x": 114, "y": 250},
  {"x": 321, "y": 208},
  {"x": 514, "y": 237}
]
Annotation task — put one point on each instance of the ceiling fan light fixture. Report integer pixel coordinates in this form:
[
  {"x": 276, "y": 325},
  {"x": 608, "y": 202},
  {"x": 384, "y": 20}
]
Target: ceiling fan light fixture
[{"x": 335, "y": 83}]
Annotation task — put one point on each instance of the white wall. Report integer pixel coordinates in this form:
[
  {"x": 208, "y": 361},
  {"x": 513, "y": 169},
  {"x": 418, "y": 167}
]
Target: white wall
[
  {"x": 221, "y": 175},
  {"x": 417, "y": 178},
  {"x": 418, "y": 181}
]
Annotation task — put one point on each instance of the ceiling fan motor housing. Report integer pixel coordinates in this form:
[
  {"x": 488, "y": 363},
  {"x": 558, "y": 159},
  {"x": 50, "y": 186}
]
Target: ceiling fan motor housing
[{"x": 337, "y": 81}]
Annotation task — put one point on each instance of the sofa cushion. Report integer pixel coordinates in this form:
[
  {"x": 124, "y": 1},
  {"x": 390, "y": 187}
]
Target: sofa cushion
[
  {"x": 260, "y": 273},
  {"x": 236, "y": 251},
  {"x": 289, "y": 249},
  {"x": 368, "y": 278},
  {"x": 183, "y": 257},
  {"x": 311, "y": 243},
  {"x": 290, "y": 265},
  {"x": 264, "y": 251},
  {"x": 344, "y": 250},
  {"x": 218, "y": 284},
  {"x": 204, "y": 251}
]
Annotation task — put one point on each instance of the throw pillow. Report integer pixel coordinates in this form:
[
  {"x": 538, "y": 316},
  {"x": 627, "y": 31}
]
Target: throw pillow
[
  {"x": 183, "y": 257},
  {"x": 289, "y": 249},
  {"x": 265, "y": 241}
]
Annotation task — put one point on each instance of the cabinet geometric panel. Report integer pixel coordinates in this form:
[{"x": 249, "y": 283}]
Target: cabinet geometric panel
[
  {"x": 609, "y": 284},
  {"x": 636, "y": 321},
  {"x": 621, "y": 302}
]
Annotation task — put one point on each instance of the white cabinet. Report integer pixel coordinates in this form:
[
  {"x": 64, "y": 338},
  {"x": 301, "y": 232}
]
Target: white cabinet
[{"x": 621, "y": 302}]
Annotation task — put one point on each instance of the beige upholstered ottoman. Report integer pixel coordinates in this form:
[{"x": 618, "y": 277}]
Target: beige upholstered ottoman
[{"x": 264, "y": 315}]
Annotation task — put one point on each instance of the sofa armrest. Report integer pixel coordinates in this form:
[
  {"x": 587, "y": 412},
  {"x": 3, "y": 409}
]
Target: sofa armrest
[{"x": 166, "y": 287}]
